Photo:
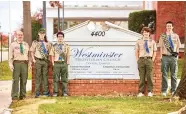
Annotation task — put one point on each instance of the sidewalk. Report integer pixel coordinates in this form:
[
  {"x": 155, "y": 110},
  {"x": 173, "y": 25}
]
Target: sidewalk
[
  {"x": 5, "y": 93},
  {"x": 4, "y": 55}
]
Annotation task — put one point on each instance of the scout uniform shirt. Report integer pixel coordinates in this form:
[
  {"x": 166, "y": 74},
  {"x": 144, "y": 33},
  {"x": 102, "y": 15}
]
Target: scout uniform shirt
[
  {"x": 141, "y": 48},
  {"x": 176, "y": 42},
  {"x": 36, "y": 48},
  {"x": 64, "y": 52},
  {"x": 15, "y": 52}
]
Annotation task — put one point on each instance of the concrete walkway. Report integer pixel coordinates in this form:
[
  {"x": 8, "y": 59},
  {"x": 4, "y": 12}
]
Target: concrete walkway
[
  {"x": 4, "y": 55},
  {"x": 5, "y": 94}
]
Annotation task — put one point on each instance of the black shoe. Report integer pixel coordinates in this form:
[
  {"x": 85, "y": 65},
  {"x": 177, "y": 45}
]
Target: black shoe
[
  {"x": 37, "y": 95},
  {"x": 22, "y": 98},
  {"x": 65, "y": 95}
]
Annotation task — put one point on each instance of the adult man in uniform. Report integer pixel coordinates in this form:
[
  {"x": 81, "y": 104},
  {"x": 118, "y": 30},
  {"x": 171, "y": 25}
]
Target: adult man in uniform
[
  {"x": 18, "y": 63},
  {"x": 169, "y": 48},
  {"x": 60, "y": 60},
  {"x": 39, "y": 51},
  {"x": 145, "y": 50}
]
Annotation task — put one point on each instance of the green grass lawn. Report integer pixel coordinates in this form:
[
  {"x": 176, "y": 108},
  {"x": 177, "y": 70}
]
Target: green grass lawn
[
  {"x": 114, "y": 105},
  {"x": 180, "y": 67},
  {"x": 98, "y": 105},
  {"x": 5, "y": 72}
]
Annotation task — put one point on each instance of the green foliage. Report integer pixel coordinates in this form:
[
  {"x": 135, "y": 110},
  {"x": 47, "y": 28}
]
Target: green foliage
[
  {"x": 36, "y": 25},
  {"x": 5, "y": 72},
  {"x": 137, "y": 20}
]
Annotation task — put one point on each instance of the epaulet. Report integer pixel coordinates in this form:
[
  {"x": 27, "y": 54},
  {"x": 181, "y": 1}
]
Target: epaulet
[
  {"x": 175, "y": 34},
  {"x": 163, "y": 35},
  {"x": 35, "y": 41},
  {"x": 55, "y": 44},
  {"x": 139, "y": 38},
  {"x": 66, "y": 45},
  {"x": 50, "y": 43},
  {"x": 25, "y": 42},
  {"x": 12, "y": 42}
]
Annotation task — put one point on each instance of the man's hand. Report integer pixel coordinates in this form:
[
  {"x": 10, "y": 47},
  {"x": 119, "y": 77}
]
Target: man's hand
[
  {"x": 53, "y": 63},
  {"x": 11, "y": 68}
]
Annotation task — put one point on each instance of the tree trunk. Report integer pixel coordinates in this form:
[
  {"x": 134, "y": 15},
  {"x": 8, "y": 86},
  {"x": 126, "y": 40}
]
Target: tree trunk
[
  {"x": 181, "y": 89},
  {"x": 27, "y": 22}
]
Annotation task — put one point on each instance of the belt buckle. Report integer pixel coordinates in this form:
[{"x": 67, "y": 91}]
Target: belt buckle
[{"x": 145, "y": 57}]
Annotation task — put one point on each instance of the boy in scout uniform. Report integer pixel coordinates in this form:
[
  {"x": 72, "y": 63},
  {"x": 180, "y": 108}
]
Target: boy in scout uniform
[
  {"x": 18, "y": 63},
  {"x": 60, "y": 60},
  {"x": 39, "y": 51},
  {"x": 169, "y": 48},
  {"x": 145, "y": 51}
]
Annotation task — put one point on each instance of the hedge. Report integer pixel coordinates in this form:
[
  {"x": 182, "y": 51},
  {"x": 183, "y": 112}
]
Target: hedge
[
  {"x": 36, "y": 25},
  {"x": 137, "y": 20}
]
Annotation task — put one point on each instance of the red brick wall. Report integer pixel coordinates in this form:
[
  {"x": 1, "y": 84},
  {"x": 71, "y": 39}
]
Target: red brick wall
[
  {"x": 105, "y": 87},
  {"x": 169, "y": 11}
]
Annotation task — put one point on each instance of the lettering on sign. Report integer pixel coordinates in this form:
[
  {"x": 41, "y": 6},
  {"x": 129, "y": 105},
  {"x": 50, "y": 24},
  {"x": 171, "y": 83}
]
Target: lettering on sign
[
  {"x": 98, "y": 33},
  {"x": 103, "y": 62}
]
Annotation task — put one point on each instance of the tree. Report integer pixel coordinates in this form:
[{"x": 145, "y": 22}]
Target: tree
[
  {"x": 27, "y": 22},
  {"x": 181, "y": 89}
]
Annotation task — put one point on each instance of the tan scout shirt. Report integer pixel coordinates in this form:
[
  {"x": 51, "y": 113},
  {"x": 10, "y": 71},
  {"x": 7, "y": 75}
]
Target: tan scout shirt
[
  {"x": 65, "y": 50},
  {"x": 141, "y": 49},
  {"x": 176, "y": 42},
  {"x": 15, "y": 54},
  {"x": 35, "y": 48}
]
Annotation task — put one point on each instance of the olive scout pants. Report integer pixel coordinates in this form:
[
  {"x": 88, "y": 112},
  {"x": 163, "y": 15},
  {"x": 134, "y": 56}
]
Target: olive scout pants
[
  {"x": 41, "y": 75},
  {"x": 145, "y": 67},
  {"x": 60, "y": 73},
  {"x": 20, "y": 72}
]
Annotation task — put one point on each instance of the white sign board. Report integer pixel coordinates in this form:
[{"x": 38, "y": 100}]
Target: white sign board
[{"x": 103, "y": 62}]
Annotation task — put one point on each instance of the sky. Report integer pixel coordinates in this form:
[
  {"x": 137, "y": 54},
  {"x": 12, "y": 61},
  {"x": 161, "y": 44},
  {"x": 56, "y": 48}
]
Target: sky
[
  {"x": 11, "y": 12},
  {"x": 11, "y": 17}
]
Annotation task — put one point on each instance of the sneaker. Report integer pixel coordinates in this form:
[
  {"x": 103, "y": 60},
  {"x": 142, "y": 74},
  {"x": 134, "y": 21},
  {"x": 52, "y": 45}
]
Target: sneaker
[
  {"x": 164, "y": 94},
  {"x": 140, "y": 94},
  {"x": 65, "y": 95},
  {"x": 172, "y": 93},
  {"x": 46, "y": 95},
  {"x": 150, "y": 94},
  {"x": 55, "y": 95},
  {"x": 22, "y": 97}
]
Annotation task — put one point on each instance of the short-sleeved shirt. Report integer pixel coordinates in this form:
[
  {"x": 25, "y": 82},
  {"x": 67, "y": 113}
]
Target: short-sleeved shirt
[
  {"x": 176, "y": 42},
  {"x": 56, "y": 51},
  {"x": 141, "y": 48},
  {"x": 36, "y": 48},
  {"x": 15, "y": 52}
]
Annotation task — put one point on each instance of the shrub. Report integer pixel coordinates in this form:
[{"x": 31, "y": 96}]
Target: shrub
[{"x": 137, "y": 20}]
